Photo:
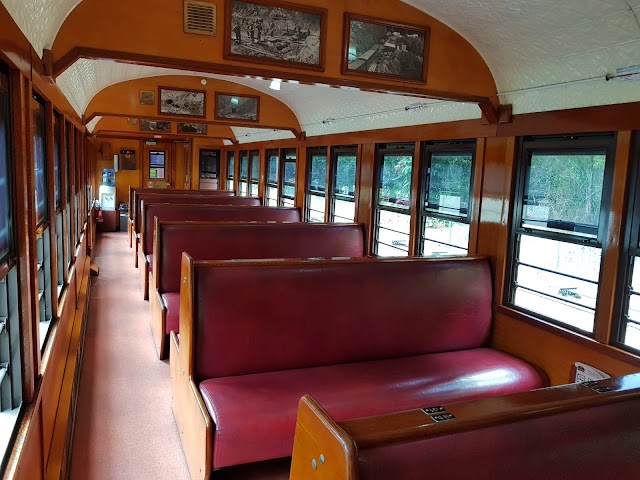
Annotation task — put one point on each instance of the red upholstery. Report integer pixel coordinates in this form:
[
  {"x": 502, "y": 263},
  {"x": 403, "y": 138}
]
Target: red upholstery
[
  {"x": 364, "y": 336},
  {"x": 148, "y": 218},
  {"x": 224, "y": 241},
  {"x": 141, "y": 193},
  {"x": 255, "y": 415},
  {"x": 326, "y": 313},
  {"x": 588, "y": 444},
  {"x": 172, "y": 304}
]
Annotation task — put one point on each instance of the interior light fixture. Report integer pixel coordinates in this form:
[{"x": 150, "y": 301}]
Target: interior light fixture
[
  {"x": 416, "y": 106},
  {"x": 329, "y": 121},
  {"x": 275, "y": 84},
  {"x": 627, "y": 74}
]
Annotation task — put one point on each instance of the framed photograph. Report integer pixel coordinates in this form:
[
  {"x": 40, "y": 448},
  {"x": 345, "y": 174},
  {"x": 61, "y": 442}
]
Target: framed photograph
[
  {"x": 378, "y": 48},
  {"x": 197, "y": 128},
  {"x": 182, "y": 102},
  {"x": 155, "y": 126},
  {"x": 276, "y": 32},
  {"x": 237, "y": 107}
]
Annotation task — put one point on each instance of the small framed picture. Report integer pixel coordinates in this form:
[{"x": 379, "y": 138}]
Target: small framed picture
[
  {"x": 193, "y": 128},
  {"x": 237, "y": 107},
  {"x": 155, "y": 126},
  {"x": 378, "y": 48},
  {"x": 190, "y": 103},
  {"x": 276, "y": 32}
]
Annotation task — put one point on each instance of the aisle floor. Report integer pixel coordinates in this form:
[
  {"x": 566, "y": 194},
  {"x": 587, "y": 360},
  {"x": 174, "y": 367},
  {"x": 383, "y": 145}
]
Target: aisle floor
[{"x": 124, "y": 424}]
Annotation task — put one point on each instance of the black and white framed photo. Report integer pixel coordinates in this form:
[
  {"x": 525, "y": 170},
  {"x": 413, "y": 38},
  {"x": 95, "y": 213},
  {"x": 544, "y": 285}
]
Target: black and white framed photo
[
  {"x": 276, "y": 32},
  {"x": 191, "y": 103},
  {"x": 155, "y": 126},
  {"x": 379, "y": 48},
  {"x": 237, "y": 107},
  {"x": 193, "y": 128}
]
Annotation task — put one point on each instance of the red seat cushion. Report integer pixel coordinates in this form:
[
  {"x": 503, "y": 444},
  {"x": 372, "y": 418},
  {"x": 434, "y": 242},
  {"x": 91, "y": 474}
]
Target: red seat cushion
[
  {"x": 172, "y": 303},
  {"x": 255, "y": 415}
]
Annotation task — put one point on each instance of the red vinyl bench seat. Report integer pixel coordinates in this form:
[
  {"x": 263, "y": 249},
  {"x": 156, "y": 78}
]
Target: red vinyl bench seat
[{"x": 363, "y": 335}]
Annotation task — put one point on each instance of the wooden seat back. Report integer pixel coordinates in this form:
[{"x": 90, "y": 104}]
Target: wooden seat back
[
  {"x": 235, "y": 240},
  {"x": 135, "y": 190},
  {"x": 146, "y": 220},
  {"x": 585, "y": 431}
]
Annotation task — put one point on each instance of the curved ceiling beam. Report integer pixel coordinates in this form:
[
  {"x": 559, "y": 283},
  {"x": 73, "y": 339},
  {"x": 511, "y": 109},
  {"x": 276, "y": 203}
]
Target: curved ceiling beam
[
  {"x": 153, "y": 35},
  {"x": 123, "y": 100}
]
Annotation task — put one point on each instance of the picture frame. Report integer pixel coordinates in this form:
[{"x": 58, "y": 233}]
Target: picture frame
[
  {"x": 182, "y": 102},
  {"x": 275, "y": 32},
  {"x": 380, "y": 48},
  {"x": 154, "y": 126},
  {"x": 230, "y": 106},
  {"x": 192, "y": 128}
]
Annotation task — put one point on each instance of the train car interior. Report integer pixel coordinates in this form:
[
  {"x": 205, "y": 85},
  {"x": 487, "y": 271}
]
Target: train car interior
[{"x": 319, "y": 239}]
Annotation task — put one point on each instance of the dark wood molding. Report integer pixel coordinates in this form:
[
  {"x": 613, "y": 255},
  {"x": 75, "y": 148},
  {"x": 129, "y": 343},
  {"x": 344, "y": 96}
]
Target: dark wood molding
[
  {"x": 222, "y": 123},
  {"x": 489, "y": 109},
  {"x": 142, "y": 136}
]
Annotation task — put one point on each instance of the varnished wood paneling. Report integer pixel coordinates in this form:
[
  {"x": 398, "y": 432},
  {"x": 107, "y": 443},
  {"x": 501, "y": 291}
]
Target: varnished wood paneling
[
  {"x": 30, "y": 464},
  {"x": 555, "y": 350}
]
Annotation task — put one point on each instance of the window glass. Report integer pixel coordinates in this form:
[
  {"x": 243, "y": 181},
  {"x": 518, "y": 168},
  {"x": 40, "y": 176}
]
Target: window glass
[
  {"x": 563, "y": 192},
  {"x": 243, "y": 166},
  {"x": 556, "y": 259},
  {"x": 345, "y": 183},
  {"x": 392, "y": 233},
  {"x": 40, "y": 161},
  {"x": 230, "y": 165},
  {"x": 57, "y": 174},
  {"x": 444, "y": 237},
  {"x": 395, "y": 181},
  {"x": 449, "y": 179},
  {"x": 255, "y": 166},
  {"x": 5, "y": 194},
  {"x": 318, "y": 173},
  {"x": 157, "y": 165},
  {"x": 272, "y": 167}
]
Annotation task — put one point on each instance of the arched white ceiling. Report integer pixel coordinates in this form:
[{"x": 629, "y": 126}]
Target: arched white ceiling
[
  {"x": 544, "y": 54},
  {"x": 40, "y": 20},
  {"x": 321, "y": 110}
]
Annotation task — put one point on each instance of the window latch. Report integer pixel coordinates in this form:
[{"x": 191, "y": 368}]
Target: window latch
[{"x": 4, "y": 370}]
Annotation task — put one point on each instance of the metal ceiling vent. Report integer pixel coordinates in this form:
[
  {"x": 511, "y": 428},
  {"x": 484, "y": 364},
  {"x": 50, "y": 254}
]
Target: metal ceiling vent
[{"x": 200, "y": 17}]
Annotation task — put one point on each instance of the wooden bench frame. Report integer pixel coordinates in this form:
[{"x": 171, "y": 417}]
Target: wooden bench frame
[{"x": 339, "y": 443}]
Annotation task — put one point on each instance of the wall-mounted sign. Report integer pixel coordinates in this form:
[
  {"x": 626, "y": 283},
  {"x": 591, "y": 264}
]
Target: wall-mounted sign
[{"x": 127, "y": 159}]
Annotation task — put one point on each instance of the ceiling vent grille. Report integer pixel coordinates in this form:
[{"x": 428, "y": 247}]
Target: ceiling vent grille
[{"x": 199, "y": 17}]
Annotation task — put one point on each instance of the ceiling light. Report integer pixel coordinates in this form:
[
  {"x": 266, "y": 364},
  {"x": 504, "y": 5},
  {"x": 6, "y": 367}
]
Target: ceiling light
[
  {"x": 627, "y": 74},
  {"x": 329, "y": 121},
  {"x": 275, "y": 84},
  {"x": 416, "y": 106},
  {"x": 203, "y": 81}
]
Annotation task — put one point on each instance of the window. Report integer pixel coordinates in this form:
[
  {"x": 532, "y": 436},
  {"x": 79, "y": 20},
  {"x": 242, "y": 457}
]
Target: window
[
  {"x": 10, "y": 355},
  {"x": 288, "y": 176},
  {"x": 254, "y": 178},
  {"x": 57, "y": 174},
  {"x": 273, "y": 159},
  {"x": 230, "y": 172},
  {"x": 6, "y": 228},
  {"x": 69, "y": 171},
  {"x": 343, "y": 185},
  {"x": 157, "y": 165},
  {"x": 316, "y": 184},
  {"x": 560, "y": 220},
  {"x": 244, "y": 167},
  {"x": 39, "y": 159},
  {"x": 392, "y": 213},
  {"x": 445, "y": 211},
  {"x": 43, "y": 249},
  {"x": 627, "y": 333}
]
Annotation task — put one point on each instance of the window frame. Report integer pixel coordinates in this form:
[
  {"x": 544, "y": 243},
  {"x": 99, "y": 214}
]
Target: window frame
[
  {"x": 350, "y": 150},
  {"x": 629, "y": 252},
  {"x": 428, "y": 150},
  {"x": 8, "y": 260},
  {"x": 253, "y": 156},
  {"x": 558, "y": 145},
  {"x": 231, "y": 163},
  {"x": 268, "y": 184},
  {"x": 311, "y": 152},
  {"x": 281, "y": 182},
  {"x": 408, "y": 149},
  {"x": 41, "y": 224}
]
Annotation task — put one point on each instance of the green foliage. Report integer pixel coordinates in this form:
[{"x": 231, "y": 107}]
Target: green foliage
[
  {"x": 569, "y": 186},
  {"x": 450, "y": 176},
  {"x": 318, "y": 173},
  {"x": 345, "y": 183},
  {"x": 395, "y": 180}
]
